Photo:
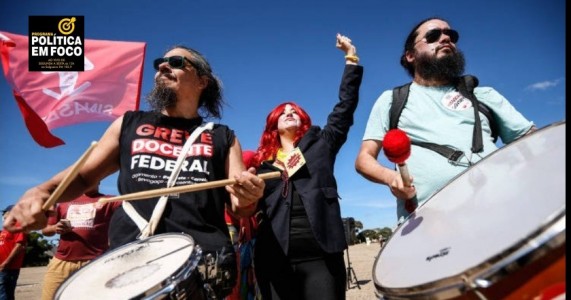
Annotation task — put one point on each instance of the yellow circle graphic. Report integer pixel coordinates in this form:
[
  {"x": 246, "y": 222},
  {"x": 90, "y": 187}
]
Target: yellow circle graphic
[{"x": 66, "y": 26}]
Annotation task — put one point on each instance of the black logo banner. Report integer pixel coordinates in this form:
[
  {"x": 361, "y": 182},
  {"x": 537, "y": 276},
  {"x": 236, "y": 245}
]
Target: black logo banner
[{"x": 56, "y": 43}]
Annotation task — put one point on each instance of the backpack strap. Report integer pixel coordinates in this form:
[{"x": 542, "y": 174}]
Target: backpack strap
[
  {"x": 462, "y": 86},
  {"x": 400, "y": 96},
  {"x": 453, "y": 155},
  {"x": 465, "y": 86},
  {"x": 471, "y": 82}
]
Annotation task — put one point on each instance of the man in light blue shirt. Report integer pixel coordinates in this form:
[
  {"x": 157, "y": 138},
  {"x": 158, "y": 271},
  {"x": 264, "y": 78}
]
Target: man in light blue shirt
[{"x": 435, "y": 112}]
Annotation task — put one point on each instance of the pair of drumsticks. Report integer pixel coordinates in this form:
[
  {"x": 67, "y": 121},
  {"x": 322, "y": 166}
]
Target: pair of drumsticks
[{"x": 144, "y": 194}]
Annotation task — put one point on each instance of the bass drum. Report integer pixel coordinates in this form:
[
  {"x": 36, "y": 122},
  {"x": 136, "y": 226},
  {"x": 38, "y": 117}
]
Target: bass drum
[
  {"x": 496, "y": 231},
  {"x": 159, "y": 267}
]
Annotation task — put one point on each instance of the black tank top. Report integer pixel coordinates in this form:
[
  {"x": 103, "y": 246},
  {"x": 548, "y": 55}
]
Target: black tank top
[{"x": 149, "y": 147}]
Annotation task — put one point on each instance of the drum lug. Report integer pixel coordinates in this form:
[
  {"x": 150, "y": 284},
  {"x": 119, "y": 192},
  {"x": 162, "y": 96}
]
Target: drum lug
[
  {"x": 477, "y": 284},
  {"x": 482, "y": 283},
  {"x": 178, "y": 292},
  {"x": 210, "y": 294}
]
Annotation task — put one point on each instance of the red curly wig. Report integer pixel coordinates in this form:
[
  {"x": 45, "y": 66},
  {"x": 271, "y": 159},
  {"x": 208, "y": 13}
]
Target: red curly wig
[{"x": 270, "y": 140}]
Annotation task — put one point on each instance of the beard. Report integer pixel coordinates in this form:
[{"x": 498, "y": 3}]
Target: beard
[
  {"x": 161, "y": 97},
  {"x": 446, "y": 68}
]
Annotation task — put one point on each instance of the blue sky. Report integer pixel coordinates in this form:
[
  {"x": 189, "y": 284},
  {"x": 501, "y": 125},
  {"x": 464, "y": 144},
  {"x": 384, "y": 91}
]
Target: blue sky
[{"x": 268, "y": 52}]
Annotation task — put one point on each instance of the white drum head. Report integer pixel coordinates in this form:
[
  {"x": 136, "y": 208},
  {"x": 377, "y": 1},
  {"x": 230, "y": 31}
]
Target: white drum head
[
  {"x": 477, "y": 218},
  {"x": 130, "y": 270}
]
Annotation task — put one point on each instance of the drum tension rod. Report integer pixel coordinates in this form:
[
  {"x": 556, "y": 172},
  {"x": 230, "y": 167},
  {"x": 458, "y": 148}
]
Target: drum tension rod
[{"x": 474, "y": 285}]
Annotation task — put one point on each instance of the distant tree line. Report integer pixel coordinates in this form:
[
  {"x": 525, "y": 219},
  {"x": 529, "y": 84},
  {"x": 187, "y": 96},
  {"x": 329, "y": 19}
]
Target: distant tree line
[
  {"x": 354, "y": 232},
  {"x": 39, "y": 250},
  {"x": 376, "y": 234}
]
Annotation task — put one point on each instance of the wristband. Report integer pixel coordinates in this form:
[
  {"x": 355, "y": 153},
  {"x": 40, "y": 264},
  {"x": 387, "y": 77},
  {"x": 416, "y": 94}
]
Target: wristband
[{"x": 353, "y": 58}]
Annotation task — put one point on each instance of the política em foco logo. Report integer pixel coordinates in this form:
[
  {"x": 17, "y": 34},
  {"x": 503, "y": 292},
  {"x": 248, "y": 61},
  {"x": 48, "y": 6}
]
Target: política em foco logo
[{"x": 56, "y": 43}]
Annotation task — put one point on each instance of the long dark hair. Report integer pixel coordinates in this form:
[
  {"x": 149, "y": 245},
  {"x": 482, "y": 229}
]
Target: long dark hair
[{"x": 210, "y": 101}]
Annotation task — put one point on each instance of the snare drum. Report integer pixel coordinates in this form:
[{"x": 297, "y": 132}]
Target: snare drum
[
  {"x": 495, "y": 231},
  {"x": 161, "y": 266}
]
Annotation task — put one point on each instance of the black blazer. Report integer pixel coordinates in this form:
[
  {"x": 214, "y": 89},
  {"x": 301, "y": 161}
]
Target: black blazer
[{"x": 315, "y": 182}]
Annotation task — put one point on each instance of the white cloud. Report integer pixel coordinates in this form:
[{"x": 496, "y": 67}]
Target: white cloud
[{"x": 544, "y": 85}]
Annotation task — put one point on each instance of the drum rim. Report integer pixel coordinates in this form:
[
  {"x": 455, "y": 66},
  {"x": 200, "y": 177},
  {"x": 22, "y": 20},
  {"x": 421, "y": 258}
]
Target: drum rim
[
  {"x": 163, "y": 285},
  {"x": 483, "y": 275},
  {"x": 456, "y": 284}
]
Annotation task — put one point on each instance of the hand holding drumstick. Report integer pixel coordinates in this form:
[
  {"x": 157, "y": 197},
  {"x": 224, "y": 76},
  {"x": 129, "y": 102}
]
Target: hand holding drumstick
[{"x": 396, "y": 146}]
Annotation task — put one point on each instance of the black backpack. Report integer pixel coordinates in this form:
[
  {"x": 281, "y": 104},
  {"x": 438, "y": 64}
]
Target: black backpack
[{"x": 465, "y": 85}]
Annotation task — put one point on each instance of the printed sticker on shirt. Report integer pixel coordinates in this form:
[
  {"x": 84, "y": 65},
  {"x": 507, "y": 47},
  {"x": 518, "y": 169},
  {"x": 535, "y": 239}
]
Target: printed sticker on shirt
[
  {"x": 81, "y": 215},
  {"x": 455, "y": 101},
  {"x": 294, "y": 161}
]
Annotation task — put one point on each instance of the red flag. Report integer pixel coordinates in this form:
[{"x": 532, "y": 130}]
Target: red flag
[{"x": 109, "y": 86}]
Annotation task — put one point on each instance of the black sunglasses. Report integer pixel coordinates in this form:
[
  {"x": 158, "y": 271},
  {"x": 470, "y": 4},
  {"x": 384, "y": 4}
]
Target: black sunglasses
[
  {"x": 176, "y": 62},
  {"x": 434, "y": 34}
]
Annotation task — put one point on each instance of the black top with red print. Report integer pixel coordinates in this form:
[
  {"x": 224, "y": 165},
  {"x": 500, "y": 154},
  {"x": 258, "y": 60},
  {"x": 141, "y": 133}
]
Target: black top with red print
[{"x": 150, "y": 144}]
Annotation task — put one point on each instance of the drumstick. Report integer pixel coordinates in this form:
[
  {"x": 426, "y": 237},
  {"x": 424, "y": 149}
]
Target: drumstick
[
  {"x": 68, "y": 177},
  {"x": 182, "y": 189},
  {"x": 396, "y": 146}
]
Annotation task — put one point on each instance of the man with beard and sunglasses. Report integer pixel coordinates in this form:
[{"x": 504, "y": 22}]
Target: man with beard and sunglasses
[
  {"x": 435, "y": 112},
  {"x": 145, "y": 148}
]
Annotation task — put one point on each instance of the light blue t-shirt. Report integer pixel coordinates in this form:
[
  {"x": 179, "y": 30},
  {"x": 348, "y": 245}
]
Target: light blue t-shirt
[{"x": 441, "y": 115}]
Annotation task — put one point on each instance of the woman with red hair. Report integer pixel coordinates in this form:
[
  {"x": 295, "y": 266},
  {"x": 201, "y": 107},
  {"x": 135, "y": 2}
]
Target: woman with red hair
[{"x": 300, "y": 241}]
